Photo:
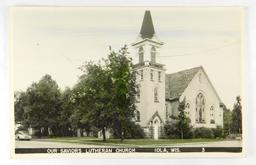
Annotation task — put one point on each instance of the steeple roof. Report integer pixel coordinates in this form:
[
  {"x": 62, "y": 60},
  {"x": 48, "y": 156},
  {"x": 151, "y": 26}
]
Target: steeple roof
[{"x": 147, "y": 28}]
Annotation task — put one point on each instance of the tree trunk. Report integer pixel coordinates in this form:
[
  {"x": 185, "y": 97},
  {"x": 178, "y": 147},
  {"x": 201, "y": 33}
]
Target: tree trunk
[
  {"x": 122, "y": 136},
  {"x": 182, "y": 135},
  {"x": 104, "y": 134}
]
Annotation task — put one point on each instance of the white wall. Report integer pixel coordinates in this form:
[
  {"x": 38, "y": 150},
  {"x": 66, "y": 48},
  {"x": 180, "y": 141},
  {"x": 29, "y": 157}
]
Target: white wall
[
  {"x": 147, "y": 106},
  {"x": 203, "y": 86}
]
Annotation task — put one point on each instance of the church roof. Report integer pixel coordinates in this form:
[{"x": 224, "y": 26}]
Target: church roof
[
  {"x": 176, "y": 83},
  {"x": 147, "y": 29}
]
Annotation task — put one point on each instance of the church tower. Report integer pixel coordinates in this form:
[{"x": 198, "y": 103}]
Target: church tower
[{"x": 150, "y": 78}]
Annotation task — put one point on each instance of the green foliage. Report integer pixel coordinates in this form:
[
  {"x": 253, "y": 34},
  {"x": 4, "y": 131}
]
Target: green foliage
[
  {"x": 218, "y": 132},
  {"x": 105, "y": 94},
  {"x": 183, "y": 122},
  {"x": 120, "y": 68},
  {"x": 236, "y": 126},
  {"x": 92, "y": 98},
  {"x": 20, "y": 105},
  {"x": 227, "y": 121},
  {"x": 180, "y": 127},
  {"x": 103, "y": 98},
  {"x": 43, "y": 105},
  {"x": 203, "y": 132},
  {"x": 134, "y": 131},
  {"x": 170, "y": 130},
  {"x": 67, "y": 108}
]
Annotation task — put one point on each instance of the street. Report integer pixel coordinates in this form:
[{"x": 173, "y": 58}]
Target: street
[{"x": 43, "y": 143}]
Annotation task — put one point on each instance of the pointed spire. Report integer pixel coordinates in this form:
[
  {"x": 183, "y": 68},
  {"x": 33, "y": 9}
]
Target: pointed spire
[{"x": 147, "y": 28}]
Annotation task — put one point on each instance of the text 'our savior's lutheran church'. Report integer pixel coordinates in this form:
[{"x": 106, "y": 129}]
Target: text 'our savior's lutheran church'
[{"x": 160, "y": 93}]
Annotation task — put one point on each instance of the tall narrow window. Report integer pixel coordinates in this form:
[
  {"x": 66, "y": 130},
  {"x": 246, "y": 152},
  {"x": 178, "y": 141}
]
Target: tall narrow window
[
  {"x": 138, "y": 95},
  {"x": 212, "y": 116},
  {"x": 141, "y": 55},
  {"x": 151, "y": 75},
  {"x": 141, "y": 74},
  {"x": 137, "y": 116},
  {"x": 153, "y": 54},
  {"x": 200, "y": 108},
  {"x": 159, "y": 76},
  {"x": 156, "y": 95},
  {"x": 187, "y": 108}
]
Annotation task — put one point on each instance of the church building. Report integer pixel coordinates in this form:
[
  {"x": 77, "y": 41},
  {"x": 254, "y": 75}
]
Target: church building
[{"x": 159, "y": 93}]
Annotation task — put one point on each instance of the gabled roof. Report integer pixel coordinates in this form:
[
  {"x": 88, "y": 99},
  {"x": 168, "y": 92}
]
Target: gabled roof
[
  {"x": 147, "y": 28},
  {"x": 176, "y": 83},
  {"x": 156, "y": 114}
]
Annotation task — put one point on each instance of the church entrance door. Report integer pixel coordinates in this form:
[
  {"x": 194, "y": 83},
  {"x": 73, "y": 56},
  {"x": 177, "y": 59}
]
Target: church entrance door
[{"x": 156, "y": 129}]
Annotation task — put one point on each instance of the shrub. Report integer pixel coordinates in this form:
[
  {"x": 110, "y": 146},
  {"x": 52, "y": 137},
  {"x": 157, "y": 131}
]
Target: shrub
[
  {"x": 172, "y": 132},
  {"x": 203, "y": 132},
  {"x": 134, "y": 131},
  {"x": 218, "y": 132}
]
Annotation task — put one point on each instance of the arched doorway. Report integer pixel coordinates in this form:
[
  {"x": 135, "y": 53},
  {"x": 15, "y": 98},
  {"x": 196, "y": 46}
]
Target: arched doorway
[{"x": 156, "y": 124}]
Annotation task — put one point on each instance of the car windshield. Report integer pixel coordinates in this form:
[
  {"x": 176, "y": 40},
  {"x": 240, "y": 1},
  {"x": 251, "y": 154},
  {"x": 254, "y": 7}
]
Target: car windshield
[{"x": 23, "y": 133}]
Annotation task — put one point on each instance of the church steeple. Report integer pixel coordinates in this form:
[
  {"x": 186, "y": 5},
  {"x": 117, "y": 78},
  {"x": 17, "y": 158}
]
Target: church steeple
[
  {"x": 147, "y": 29},
  {"x": 147, "y": 43}
]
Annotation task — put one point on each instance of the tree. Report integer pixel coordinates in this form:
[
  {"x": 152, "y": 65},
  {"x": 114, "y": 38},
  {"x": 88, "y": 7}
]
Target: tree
[
  {"x": 120, "y": 68},
  {"x": 105, "y": 94},
  {"x": 237, "y": 116},
  {"x": 227, "y": 120},
  {"x": 66, "y": 110},
  {"x": 92, "y": 95},
  {"x": 20, "y": 104},
  {"x": 183, "y": 122},
  {"x": 43, "y": 105}
]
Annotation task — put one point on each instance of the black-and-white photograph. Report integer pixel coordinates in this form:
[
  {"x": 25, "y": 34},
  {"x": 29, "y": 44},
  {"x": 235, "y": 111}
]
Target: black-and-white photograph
[{"x": 127, "y": 80}]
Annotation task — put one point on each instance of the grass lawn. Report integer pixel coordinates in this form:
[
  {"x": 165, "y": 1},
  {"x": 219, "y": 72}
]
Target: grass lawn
[{"x": 129, "y": 142}]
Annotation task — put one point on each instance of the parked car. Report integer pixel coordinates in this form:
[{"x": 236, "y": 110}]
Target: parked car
[{"x": 22, "y": 135}]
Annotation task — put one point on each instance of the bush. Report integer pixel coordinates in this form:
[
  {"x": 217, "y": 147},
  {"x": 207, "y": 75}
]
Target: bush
[
  {"x": 133, "y": 132},
  {"x": 218, "y": 132},
  {"x": 203, "y": 132},
  {"x": 171, "y": 131}
]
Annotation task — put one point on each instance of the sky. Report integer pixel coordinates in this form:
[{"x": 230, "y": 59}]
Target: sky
[{"x": 57, "y": 40}]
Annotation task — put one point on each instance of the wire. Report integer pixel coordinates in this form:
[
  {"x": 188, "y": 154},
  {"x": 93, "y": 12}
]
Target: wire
[{"x": 203, "y": 51}]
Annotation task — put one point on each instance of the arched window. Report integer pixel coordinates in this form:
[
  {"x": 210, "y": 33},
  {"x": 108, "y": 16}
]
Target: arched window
[
  {"x": 137, "y": 116},
  {"x": 141, "y": 74},
  {"x": 212, "y": 116},
  {"x": 153, "y": 54},
  {"x": 141, "y": 55},
  {"x": 187, "y": 108},
  {"x": 138, "y": 95},
  {"x": 200, "y": 108},
  {"x": 159, "y": 76},
  {"x": 156, "y": 95},
  {"x": 151, "y": 74}
]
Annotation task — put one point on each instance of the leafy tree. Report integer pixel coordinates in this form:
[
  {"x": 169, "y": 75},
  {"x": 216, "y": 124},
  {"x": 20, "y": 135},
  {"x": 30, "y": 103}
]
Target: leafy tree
[
  {"x": 237, "y": 116},
  {"x": 120, "y": 68},
  {"x": 66, "y": 110},
  {"x": 105, "y": 94},
  {"x": 183, "y": 122},
  {"x": 20, "y": 104},
  {"x": 227, "y": 120},
  {"x": 44, "y": 105},
  {"x": 93, "y": 97}
]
